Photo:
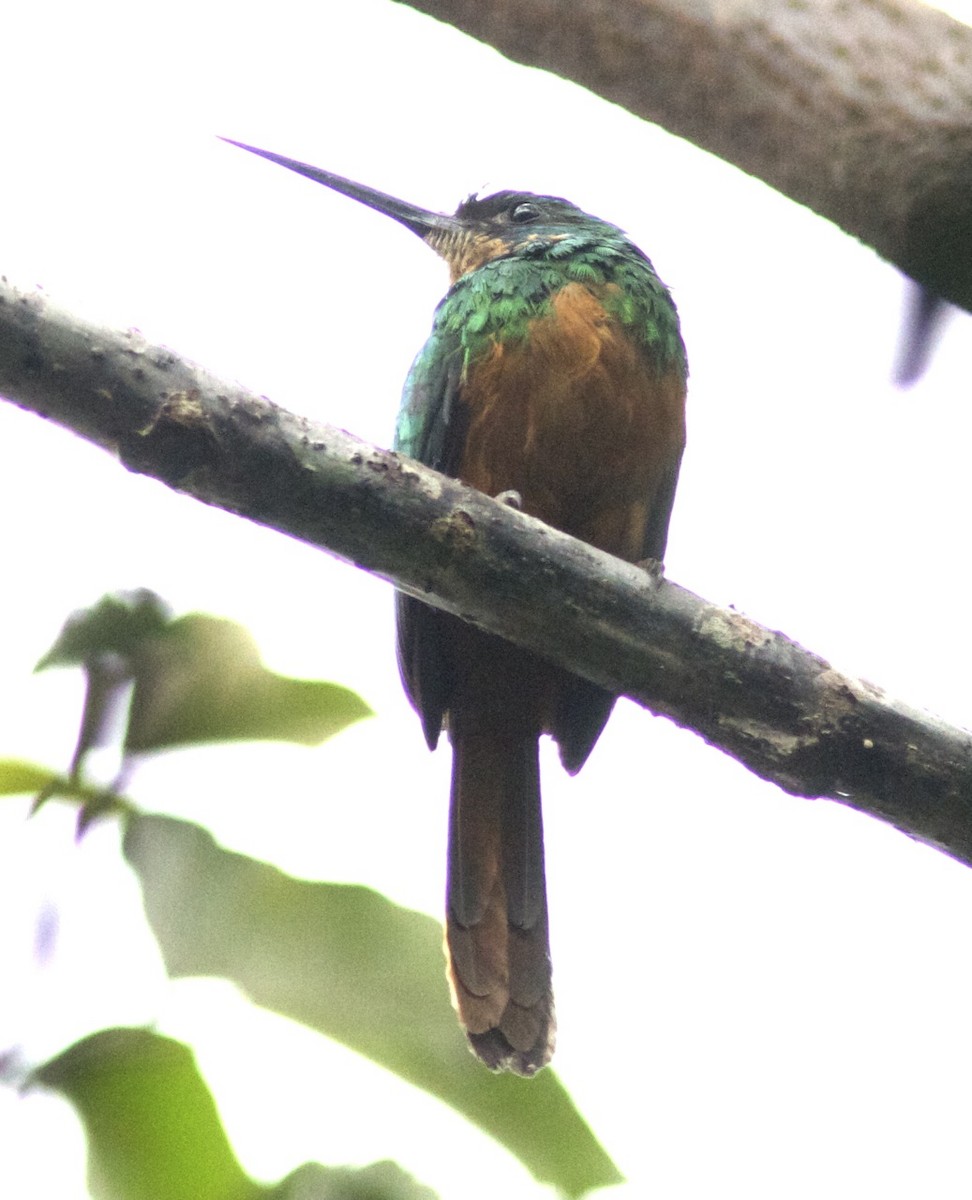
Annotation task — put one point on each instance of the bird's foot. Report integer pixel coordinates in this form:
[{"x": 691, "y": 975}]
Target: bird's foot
[
  {"x": 654, "y": 568},
  {"x": 512, "y": 498}
]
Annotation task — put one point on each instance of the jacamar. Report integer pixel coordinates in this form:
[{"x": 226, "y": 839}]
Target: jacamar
[{"x": 554, "y": 374}]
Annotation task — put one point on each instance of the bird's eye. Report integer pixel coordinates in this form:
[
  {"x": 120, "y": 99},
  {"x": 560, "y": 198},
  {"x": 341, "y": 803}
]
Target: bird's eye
[{"x": 522, "y": 214}]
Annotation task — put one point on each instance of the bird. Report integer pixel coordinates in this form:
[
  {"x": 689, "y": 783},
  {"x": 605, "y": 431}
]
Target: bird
[{"x": 554, "y": 378}]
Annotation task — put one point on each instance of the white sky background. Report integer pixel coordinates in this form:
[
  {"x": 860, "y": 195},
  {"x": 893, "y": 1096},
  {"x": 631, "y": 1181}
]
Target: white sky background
[{"x": 757, "y": 995}]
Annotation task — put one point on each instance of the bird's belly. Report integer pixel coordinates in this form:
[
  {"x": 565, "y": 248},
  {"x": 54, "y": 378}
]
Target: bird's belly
[{"x": 578, "y": 420}]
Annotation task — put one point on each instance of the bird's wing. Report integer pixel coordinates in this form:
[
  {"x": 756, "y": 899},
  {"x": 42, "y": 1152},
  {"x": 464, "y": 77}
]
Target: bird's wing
[
  {"x": 430, "y": 428},
  {"x": 430, "y": 424}
]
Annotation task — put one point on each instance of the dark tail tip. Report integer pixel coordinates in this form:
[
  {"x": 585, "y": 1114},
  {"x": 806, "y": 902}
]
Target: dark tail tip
[
  {"x": 509, "y": 1022},
  {"x": 494, "y": 1049}
]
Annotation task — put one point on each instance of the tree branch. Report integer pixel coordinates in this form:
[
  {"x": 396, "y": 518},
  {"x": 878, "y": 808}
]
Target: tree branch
[
  {"x": 862, "y": 111},
  {"x": 782, "y": 711}
]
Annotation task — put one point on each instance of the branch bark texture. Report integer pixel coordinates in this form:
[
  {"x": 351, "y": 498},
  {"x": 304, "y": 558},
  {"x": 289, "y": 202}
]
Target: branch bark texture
[
  {"x": 862, "y": 110},
  {"x": 779, "y": 709}
]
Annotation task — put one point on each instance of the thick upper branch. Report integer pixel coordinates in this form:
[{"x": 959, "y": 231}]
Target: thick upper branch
[
  {"x": 784, "y": 712},
  {"x": 861, "y": 111}
]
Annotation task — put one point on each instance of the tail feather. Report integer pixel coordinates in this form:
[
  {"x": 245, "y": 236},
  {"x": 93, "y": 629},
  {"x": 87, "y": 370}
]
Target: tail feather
[{"x": 496, "y": 922}]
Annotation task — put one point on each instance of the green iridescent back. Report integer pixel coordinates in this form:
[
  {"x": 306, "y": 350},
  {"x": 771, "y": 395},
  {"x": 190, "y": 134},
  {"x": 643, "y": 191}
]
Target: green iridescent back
[{"x": 496, "y": 303}]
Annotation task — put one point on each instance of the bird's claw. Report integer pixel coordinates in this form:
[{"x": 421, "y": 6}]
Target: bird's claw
[
  {"x": 654, "y": 568},
  {"x": 511, "y": 498}
]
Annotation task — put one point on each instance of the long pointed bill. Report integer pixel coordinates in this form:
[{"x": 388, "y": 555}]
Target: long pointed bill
[{"x": 419, "y": 220}]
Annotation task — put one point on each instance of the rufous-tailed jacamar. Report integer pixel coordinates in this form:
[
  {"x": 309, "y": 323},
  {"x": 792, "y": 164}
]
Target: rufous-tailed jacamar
[{"x": 555, "y": 370}]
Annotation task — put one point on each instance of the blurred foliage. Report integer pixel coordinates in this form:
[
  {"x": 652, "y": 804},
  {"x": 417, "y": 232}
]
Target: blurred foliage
[
  {"x": 357, "y": 967},
  {"x": 339, "y": 958},
  {"x": 117, "y": 624},
  {"x": 194, "y": 679},
  {"x": 379, "y": 1181},
  {"x": 18, "y": 777},
  {"x": 187, "y": 680},
  {"x": 154, "y": 1134},
  {"x": 151, "y": 1124}
]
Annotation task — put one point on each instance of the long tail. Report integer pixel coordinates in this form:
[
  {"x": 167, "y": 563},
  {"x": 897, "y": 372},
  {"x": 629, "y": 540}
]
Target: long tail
[{"x": 496, "y": 922}]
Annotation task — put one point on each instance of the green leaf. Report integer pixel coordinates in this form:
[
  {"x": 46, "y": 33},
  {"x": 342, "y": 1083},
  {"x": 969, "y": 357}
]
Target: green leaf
[
  {"x": 202, "y": 681},
  {"x": 117, "y": 624},
  {"x": 195, "y": 679},
  {"x": 154, "y": 1133},
  {"x": 379, "y": 1181},
  {"x": 346, "y": 961},
  {"x": 153, "y": 1130},
  {"x": 18, "y": 777}
]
